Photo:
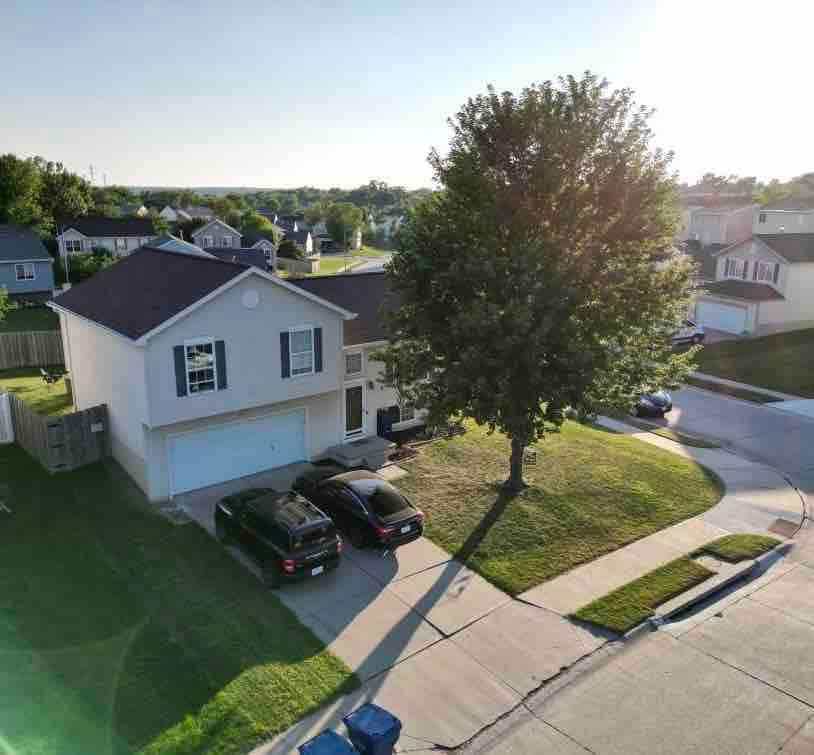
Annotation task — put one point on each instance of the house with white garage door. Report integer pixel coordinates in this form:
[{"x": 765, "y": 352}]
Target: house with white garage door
[
  {"x": 213, "y": 370},
  {"x": 762, "y": 285}
]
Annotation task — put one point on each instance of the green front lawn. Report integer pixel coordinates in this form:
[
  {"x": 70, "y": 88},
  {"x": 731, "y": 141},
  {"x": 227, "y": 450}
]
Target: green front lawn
[
  {"x": 735, "y": 548},
  {"x": 590, "y": 492},
  {"x": 121, "y": 632},
  {"x": 29, "y": 318},
  {"x": 332, "y": 265},
  {"x": 781, "y": 362},
  {"x": 27, "y": 383},
  {"x": 623, "y": 609}
]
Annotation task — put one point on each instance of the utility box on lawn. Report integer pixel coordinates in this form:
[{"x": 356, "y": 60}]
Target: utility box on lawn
[
  {"x": 327, "y": 743},
  {"x": 373, "y": 730}
]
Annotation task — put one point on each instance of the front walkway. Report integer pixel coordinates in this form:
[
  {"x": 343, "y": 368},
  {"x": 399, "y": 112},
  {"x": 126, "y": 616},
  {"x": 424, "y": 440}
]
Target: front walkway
[{"x": 450, "y": 654}]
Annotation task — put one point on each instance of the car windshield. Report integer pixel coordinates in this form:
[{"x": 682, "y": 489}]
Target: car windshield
[{"x": 312, "y": 537}]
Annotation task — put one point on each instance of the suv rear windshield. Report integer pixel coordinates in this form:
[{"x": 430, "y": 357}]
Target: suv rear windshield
[{"x": 312, "y": 537}]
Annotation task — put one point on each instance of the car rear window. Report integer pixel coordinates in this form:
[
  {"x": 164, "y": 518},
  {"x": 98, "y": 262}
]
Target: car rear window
[
  {"x": 312, "y": 537},
  {"x": 385, "y": 500}
]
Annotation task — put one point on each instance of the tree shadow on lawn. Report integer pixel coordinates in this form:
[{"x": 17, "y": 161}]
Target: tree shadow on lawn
[
  {"x": 116, "y": 625},
  {"x": 489, "y": 519}
]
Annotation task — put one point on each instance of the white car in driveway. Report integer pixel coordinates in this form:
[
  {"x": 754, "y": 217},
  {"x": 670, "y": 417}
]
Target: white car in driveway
[{"x": 689, "y": 333}]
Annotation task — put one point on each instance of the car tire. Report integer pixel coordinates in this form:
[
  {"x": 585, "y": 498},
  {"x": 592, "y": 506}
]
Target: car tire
[{"x": 271, "y": 577}]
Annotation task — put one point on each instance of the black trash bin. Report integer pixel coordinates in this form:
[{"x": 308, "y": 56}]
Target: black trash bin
[
  {"x": 373, "y": 730},
  {"x": 327, "y": 743}
]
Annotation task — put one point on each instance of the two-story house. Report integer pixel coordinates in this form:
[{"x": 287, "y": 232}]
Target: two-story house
[
  {"x": 222, "y": 370},
  {"x": 118, "y": 236},
  {"x": 216, "y": 235},
  {"x": 786, "y": 216},
  {"x": 26, "y": 268},
  {"x": 762, "y": 285},
  {"x": 719, "y": 225}
]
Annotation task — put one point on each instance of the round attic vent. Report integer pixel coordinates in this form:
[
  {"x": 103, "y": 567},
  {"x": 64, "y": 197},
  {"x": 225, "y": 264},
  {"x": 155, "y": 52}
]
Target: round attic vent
[{"x": 251, "y": 299}]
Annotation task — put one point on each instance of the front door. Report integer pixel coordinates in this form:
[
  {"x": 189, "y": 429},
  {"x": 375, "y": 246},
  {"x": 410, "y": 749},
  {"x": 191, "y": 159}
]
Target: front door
[{"x": 354, "y": 410}]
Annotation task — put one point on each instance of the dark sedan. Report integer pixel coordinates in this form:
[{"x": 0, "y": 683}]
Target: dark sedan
[
  {"x": 287, "y": 535},
  {"x": 655, "y": 404},
  {"x": 367, "y": 508}
]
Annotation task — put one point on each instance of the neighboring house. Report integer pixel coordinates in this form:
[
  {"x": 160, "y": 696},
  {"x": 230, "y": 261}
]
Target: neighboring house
[
  {"x": 303, "y": 240},
  {"x": 386, "y": 225},
  {"x": 222, "y": 371},
  {"x": 762, "y": 285},
  {"x": 136, "y": 210},
  {"x": 170, "y": 214},
  {"x": 704, "y": 257},
  {"x": 119, "y": 236},
  {"x": 788, "y": 216},
  {"x": 26, "y": 268},
  {"x": 720, "y": 225},
  {"x": 218, "y": 234},
  {"x": 199, "y": 212},
  {"x": 264, "y": 242}
]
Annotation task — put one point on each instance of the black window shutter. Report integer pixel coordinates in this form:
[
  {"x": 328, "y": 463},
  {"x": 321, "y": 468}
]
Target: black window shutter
[
  {"x": 220, "y": 363},
  {"x": 317, "y": 349},
  {"x": 285, "y": 355},
  {"x": 180, "y": 370},
  {"x": 726, "y": 267},
  {"x": 754, "y": 272},
  {"x": 745, "y": 269},
  {"x": 776, "y": 272}
]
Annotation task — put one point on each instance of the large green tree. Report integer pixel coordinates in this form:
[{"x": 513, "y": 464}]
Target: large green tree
[
  {"x": 343, "y": 219},
  {"x": 20, "y": 182},
  {"x": 539, "y": 277},
  {"x": 62, "y": 194}
]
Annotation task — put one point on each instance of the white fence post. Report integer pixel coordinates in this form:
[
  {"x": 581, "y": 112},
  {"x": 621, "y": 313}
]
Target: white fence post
[{"x": 6, "y": 425}]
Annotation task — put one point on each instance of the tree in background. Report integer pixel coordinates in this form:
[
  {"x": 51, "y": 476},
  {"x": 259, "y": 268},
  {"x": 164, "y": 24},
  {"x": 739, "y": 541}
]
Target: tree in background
[
  {"x": 4, "y": 303},
  {"x": 290, "y": 250},
  {"x": 317, "y": 212},
  {"x": 20, "y": 182},
  {"x": 62, "y": 194},
  {"x": 537, "y": 278},
  {"x": 254, "y": 222},
  {"x": 343, "y": 220}
]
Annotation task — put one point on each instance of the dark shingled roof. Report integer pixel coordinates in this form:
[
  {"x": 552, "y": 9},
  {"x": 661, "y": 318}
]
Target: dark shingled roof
[
  {"x": 742, "y": 290},
  {"x": 241, "y": 256},
  {"x": 18, "y": 243},
  {"x": 97, "y": 226},
  {"x": 367, "y": 294},
  {"x": 795, "y": 247},
  {"x": 798, "y": 203},
  {"x": 146, "y": 288}
]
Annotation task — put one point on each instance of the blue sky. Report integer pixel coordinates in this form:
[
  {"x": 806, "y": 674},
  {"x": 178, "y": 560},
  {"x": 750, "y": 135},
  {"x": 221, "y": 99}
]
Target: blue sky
[{"x": 329, "y": 94}]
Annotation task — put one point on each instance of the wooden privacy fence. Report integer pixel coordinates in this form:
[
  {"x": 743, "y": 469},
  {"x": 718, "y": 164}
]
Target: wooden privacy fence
[
  {"x": 30, "y": 349},
  {"x": 63, "y": 443}
]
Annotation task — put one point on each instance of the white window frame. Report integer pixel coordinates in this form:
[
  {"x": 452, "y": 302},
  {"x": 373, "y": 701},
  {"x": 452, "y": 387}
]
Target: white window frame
[
  {"x": 735, "y": 263},
  {"x": 208, "y": 242},
  {"x": 226, "y": 242},
  {"x": 120, "y": 245},
  {"x": 292, "y": 353},
  {"x": 26, "y": 268},
  {"x": 765, "y": 272},
  {"x": 187, "y": 369},
  {"x": 69, "y": 243},
  {"x": 761, "y": 218},
  {"x": 361, "y": 372}
]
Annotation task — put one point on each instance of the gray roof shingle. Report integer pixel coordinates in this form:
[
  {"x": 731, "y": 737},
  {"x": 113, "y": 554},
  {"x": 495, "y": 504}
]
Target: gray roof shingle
[
  {"x": 18, "y": 244},
  {"x": 146, "y": 288},
  {"x": 743, "y": 290},
  {"x": 795, "y": 247},
  {"x": 99, "y": 226}
]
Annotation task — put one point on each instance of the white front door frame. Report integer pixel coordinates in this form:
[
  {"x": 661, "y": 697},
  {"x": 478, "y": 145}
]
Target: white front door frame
[{"x": 362, "y": 431}]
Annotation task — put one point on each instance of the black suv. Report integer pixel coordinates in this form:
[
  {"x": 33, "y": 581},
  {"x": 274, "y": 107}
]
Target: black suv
[
  {"x": 367, "y": 508},
  {"x": 287, "y": 535}
]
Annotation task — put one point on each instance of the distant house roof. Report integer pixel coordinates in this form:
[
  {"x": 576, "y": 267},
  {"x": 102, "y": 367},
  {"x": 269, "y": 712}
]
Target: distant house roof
[
  {"x": 142, "y": 290},
  {"x": 99, "y": 226},
  {"x": 216, "y": 222},
  {"x": 130, "y": 209},
  {"x": 724, "y": 207},
  {"x": 170, "y": 243},
  {"x": 199, "y": 211},
  {"x": 250, "y": 239},
  {"x": 367, "y": 294},
  {"x": 743, "y": 290},
  {"x": 18, "y": 244},
  {"x": 794, "y": 247},
  {"x": 243, "y": 256},
  {"x": 800, "y": 204},
  {"x": 298, "y": 237}
]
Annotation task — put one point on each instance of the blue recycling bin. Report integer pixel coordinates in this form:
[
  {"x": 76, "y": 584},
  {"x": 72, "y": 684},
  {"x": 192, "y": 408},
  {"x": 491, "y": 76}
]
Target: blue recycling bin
[
  {"x": 373, "y": 730},
  {"x": 327, "y": 743}
]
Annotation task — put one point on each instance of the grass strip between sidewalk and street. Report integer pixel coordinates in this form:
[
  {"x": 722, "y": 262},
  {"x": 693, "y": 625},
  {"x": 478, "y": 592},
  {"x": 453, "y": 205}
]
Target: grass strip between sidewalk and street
[
  {"x": 623, "y": 609},
  {"x": 729, "y": 390},
  {"x": 735, "y": 548}
]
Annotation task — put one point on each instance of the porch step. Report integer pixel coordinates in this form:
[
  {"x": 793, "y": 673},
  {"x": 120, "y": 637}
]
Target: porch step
[{"x": 365, "y": 452}]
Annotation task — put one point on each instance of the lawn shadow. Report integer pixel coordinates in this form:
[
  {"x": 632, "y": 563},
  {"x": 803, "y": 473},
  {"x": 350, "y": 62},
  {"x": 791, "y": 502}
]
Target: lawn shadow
[{"x": 479, "y": 533}]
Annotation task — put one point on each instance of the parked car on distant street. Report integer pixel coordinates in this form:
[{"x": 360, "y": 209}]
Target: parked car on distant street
[
  {"x": 655, "y": 404},
  {"x": 690, "y": 333},
  {"x": 287, "y": 535},
  {"x": 366, "y": 508}
]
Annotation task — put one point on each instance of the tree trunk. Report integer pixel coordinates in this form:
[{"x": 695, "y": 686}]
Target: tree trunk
[{"x": 515, "y": 481}]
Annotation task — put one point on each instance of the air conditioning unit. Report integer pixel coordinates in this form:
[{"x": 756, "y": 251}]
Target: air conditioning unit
[{"x": 6, "y": 426}]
